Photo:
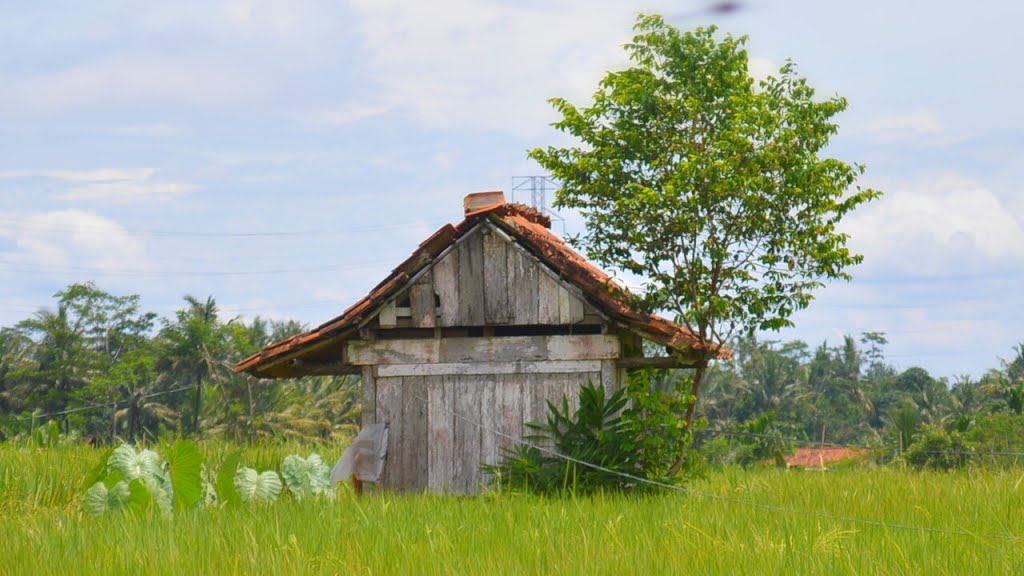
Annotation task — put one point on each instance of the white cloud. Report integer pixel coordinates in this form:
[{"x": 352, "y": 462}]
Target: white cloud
[
  {"x": 943, "y": 226},
  {"x": 921, "y": 126},
  {"x": 127, "y": 80},
  {"x": 347, "y": 113},
  {"x": 151, "y": 130},
  {"x": 127, "y": 191},
  {"x": 762, "y": 68},
  {"x": 55, "y": 243},
  {"x": 108, "y": 184},
  {"x": 490, "y": 65}
]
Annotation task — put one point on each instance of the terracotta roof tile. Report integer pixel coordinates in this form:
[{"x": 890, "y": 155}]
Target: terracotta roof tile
[
  {"x": 819, "y": 457},
  {"x": 527, "y": 226}
]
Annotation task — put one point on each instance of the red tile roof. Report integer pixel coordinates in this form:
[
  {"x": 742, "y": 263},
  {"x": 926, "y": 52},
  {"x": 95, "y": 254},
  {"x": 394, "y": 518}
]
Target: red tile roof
[
  {"x": 819, "y": 457},
  {"x": 530, "y": 228}
]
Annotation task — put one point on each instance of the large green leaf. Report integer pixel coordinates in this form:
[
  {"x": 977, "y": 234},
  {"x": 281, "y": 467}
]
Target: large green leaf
[
  {"x": 226, "y": 479},
  {"x": 99, "y": 471},
  {"x": 306, "y": 477},
  {"x": 253, "y": 486},
  {"x": 135, "y": 464},
  {"x": 161, "y": 490},
  {"x": 140, "y": 498},
  {"x": 186, "y": 466},
  {"x": 99, "y": 499}
]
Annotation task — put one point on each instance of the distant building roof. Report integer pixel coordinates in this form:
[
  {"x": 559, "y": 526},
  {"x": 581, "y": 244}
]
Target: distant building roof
[{"x": 819, "y": 457}]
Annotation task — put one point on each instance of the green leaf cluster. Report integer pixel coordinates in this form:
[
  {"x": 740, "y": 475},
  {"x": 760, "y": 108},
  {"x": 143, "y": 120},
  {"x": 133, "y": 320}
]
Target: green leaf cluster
[
  {"x": 608, "y": 443},
  {"x": 711, "y": 185},
  {"x": 306, "y": 477},
  {"x": 258, "y": 487},
  {"x": 131, "y": 479},
  {"x": 938, "y": 449}
]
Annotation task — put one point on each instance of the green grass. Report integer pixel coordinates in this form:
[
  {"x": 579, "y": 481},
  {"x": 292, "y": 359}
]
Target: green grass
[{"x": 43, "y": 531}]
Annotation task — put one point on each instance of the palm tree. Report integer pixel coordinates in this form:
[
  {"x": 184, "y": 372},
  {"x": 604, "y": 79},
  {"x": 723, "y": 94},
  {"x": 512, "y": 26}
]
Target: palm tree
[{"x": 193, "y": 348}]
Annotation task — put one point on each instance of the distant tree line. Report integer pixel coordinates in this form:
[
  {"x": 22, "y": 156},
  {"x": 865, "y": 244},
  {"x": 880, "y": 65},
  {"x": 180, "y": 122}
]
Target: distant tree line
[
  {"x": 849, "y": 395},
  {"x": 98, "y": 366}
]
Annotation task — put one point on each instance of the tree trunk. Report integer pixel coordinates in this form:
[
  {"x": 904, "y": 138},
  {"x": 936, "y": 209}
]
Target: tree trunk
[
  {"x": 198, "y": 402},
  {"x": 113, "y": 423},
  {"x": 698, "y": 379},
  {"x": 691, "y": 410}
]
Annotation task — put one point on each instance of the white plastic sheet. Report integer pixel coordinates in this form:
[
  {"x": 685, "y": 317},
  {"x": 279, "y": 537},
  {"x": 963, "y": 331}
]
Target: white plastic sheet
[{"x": 364, "y": 458}]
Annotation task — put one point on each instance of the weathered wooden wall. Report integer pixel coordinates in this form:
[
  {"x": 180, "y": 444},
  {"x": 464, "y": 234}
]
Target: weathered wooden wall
[
  {"x": 435, "y": 393},
  {"x": 436, "y": 441},
  {"x": 487, "y": 280}
]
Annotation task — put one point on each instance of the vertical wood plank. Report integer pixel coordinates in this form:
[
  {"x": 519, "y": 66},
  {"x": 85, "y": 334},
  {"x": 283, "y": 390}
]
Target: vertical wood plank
[
  {"x": 414, "y": 433},
  {"x": 421, "y": 302},
  {"x": 547, "y": 299},
  {"x": 573, "y": 383},
  {"x": 539, "y": 409},
  {"x": 523, "y": 287},
  {"x": 564, "y": 312},
  {"x": 511, "y": 411},
  {"x": 388, "y": 317},
  {"x": 490, "y": 415},
  {"x": 526, "y": 395},
  {"x": 576, "y": 309},
  {"x": 440, "y": 433},
  {"x": 609, "y": 377},
  {"x": 466, "y": 457},
  {"x": 446, "y": 284},
  {"x": 471, "y": 281},
  {"x": 369, "y": 408},
  {"x": 554, "y": 388},
  {"x": 496, "y": 285},
  {"x": 389, "y": 411}
]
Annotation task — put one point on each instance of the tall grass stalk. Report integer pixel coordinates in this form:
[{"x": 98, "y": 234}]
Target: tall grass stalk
[{"x": 43, "y": 531}]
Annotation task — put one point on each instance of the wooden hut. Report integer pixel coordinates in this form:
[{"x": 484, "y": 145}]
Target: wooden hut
[{"x": 484, "y": 323}]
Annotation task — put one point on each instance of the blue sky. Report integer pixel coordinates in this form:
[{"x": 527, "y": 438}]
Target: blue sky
[{"x": 284, "y": 156}]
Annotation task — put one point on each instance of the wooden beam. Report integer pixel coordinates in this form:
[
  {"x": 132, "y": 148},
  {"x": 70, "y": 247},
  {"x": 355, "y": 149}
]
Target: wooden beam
[
  {"x": 656, "y": 362},
  {"x": 483, "y": 349},
  {"x": 309, "y": 368},
  {"x": 482, "y": 368}
]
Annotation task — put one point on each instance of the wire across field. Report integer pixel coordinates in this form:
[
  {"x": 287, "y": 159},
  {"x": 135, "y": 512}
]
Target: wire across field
[{"x": 43, "y": 530}]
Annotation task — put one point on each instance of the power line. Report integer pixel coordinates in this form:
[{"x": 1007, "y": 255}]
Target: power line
[
  {"x": 814, "y": 443},
  {"x": 718, "y": 497},
  {"x": 106, "y": 405},
  {"x": 27, "y": 269},
  {"x": 157, "y": 232}
]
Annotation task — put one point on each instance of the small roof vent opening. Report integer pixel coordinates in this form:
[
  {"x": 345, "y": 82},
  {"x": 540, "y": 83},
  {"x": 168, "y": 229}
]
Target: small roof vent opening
[{"x": 483, "y": 201}]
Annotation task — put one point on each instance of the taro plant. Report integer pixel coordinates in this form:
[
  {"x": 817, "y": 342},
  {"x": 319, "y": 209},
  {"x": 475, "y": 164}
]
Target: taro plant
[
  {"x": 260, "y": 487},
  {"x": 127, "y": 478},
  {"x": 306, "y": 477}
]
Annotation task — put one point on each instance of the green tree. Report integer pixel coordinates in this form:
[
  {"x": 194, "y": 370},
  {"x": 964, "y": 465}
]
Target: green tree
[
  {"x": 708, "y": 184},
  {"x": 194, "y": 343},
  {"x": 78, "y": 344}
]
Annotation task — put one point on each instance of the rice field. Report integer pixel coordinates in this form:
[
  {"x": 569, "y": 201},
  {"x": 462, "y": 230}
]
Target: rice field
[{"x": 977, "y": 518}]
